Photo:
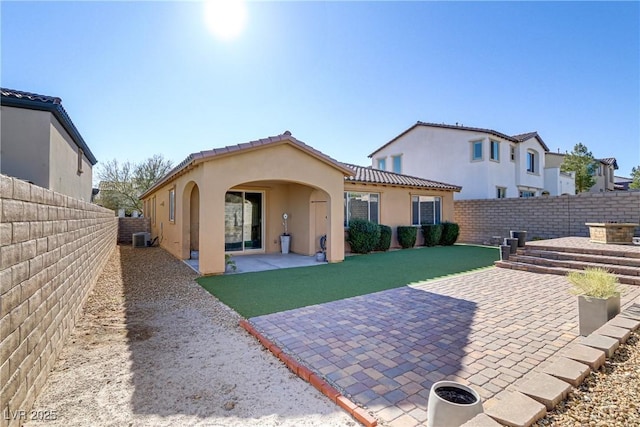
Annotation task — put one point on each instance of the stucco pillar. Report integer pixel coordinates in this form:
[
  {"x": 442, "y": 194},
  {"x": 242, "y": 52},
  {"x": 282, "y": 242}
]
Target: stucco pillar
[
  {"x": 335, "y": 243},
  {"x": 212, "y": 228}
]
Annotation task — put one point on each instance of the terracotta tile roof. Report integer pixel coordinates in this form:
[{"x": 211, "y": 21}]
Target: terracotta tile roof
[
  {"x": 515, "y": 138},
  {"x": 34, "y": 101},
  {"x": 376, "y": 176},
  {"x": 285, "y": 137}
]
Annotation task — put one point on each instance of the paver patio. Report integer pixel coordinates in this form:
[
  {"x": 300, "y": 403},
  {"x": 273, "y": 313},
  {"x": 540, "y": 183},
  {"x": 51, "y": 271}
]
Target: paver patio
[{"x": 385, "y": 350}]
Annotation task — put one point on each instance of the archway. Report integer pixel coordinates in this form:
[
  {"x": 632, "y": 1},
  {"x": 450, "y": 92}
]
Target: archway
[{"x": 194, "y": 220}]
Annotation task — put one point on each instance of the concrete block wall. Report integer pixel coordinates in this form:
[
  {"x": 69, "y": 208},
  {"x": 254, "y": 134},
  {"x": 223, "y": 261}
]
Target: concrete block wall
[
  {"x": 127, "y": 226},
  {"x": 52, "y": 250},
  {"x": 543, "y": 217}
]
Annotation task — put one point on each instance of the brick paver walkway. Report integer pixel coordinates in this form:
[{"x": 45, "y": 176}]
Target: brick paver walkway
[{"x": 385, "y": 350}]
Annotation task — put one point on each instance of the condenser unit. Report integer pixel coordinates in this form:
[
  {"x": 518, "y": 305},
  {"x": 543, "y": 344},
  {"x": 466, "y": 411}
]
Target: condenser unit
[{"x": 139, "y": 240}]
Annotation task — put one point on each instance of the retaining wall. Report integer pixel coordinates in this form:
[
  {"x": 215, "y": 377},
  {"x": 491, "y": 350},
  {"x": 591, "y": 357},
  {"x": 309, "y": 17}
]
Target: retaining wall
[
  {"x": 543, "y": 217},
  {"x": 52, "y": 250}
]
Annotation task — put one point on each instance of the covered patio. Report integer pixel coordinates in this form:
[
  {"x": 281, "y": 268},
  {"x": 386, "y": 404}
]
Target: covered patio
[{"x": 263, "y": 262}]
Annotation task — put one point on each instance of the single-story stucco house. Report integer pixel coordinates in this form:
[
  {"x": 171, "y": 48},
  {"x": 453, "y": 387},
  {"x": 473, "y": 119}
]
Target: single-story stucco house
[{"x": 232, "y": 200}]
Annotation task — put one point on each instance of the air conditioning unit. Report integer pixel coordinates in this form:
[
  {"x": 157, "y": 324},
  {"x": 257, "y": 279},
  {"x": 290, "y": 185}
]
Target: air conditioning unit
[{"x": 139, "y": 240}]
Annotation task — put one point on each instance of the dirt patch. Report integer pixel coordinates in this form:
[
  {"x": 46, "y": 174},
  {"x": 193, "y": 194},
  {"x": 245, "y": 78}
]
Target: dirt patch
[{"x": 154, "y": 348}]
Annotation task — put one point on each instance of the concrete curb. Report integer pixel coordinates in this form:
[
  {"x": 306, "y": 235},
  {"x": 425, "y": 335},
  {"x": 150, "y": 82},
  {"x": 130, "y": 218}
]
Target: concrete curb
[{"x": 315, "y": 380}]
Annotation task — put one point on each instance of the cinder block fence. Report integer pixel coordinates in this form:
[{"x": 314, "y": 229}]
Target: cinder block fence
[
  {"x": 543, "y": 217},
  {"x": 52, "y": 250}
]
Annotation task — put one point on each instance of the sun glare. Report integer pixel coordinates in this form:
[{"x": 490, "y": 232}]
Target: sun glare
[{"x": 225, "y": 18}]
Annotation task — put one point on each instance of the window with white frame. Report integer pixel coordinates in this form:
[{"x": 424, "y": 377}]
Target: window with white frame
[
  {"x": 532, "y": 161},
  {"x": 361, "y": 206},
  {"x": 512, "y": 152},
  {"x": 426, "y": 210},
  {"x": 172, "y": 204},
  {"x": 476, "y": 150},
  {"x": 397, "y": 164},
  {"x": 501, "y": 192},
  {"x": 382, "y": 164},
  {"x": 495, "y": 151}
]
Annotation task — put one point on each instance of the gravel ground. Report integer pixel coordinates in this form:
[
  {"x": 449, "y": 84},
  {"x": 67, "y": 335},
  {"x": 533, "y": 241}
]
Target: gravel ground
[
  {"x": 608, "y": 397},
  {"x": 154, "y": 348}
]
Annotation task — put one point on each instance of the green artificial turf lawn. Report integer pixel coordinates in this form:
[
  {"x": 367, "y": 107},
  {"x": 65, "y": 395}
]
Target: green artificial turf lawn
[{"x": 265, "y": 292}]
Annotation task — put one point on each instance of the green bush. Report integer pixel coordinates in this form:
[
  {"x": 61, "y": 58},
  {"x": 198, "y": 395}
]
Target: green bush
[
  {"x": 385, "y": 238},
  {"x": 432, "y": 234},
  {"x": 450, "y": 231},
  {"x": 407, "y": 236},
  {"x": 364, "y": 236}
]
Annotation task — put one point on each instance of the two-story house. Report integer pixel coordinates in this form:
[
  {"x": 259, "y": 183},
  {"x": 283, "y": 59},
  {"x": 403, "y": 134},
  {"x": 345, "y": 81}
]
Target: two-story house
[
  {"x": 486, "y": 163},
  {"x": 557, "y": 182},
  {"x": 39, "y": 143},
  {"x": 604, "y": 174}
]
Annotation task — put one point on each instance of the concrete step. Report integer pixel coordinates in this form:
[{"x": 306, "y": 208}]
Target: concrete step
[
  {"x": 590, "y": 258},
  {"x": 607, "y": 250},
  {"x": 575, "y": 265},
  {"x": 629, "y": 280}
]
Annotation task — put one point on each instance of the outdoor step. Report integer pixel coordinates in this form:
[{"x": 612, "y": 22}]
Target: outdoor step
[
  {"x": 629, "y": 280},
  {"x": 607, "y": 250},
  {"x": 594, "y": 259},
  {"x": 481, "y": 420},
  {"x": 576, "y": 265}
]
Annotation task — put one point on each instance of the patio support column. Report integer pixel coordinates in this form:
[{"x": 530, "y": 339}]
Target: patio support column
[
  {"x": 212, "y": 228},
  {"x": 335, "y": 241}
]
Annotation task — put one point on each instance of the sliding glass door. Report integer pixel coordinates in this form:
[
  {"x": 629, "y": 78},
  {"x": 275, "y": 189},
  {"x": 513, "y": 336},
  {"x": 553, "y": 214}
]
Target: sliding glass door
[{"x": 243, "y": 213}]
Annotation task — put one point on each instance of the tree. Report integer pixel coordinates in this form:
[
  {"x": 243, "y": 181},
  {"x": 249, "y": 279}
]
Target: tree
[
  {"x": 580, "y": 161},
  {"x": 635, "y": 176},
  {"x": 122, "y": 183}
]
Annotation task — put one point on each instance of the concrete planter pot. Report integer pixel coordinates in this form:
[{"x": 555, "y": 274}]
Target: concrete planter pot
[
  {"x": 512, "y": 243},
  {"x": 285, "y": 243},
  {"x": 521, "y": 236},
  {"x": 505, "y": 250},
  {"x": 595, "y": 312},
  {"x": 452, "y": 404}
]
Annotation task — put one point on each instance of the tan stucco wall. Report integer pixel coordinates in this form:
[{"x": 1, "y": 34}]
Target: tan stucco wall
[
  {"x": 395, "y": 205},
  {"x": 287, "y": 175},
  {"x": 24, "y": 144},
  {"x": 63, "y": 161}
]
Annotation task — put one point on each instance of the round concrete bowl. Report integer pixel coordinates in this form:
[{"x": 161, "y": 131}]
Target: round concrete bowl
[{"x": 452, "y": 404}]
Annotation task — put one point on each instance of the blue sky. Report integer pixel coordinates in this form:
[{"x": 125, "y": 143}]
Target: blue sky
[{"x": 140, "y": 78}]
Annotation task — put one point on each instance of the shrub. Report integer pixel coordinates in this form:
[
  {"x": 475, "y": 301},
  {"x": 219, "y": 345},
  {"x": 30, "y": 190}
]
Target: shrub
[
  {"x": 594, "y": 282},
  {"x": 450, "y": 231},
  {"x": 432, "y": 234},
  {"x": 385, "y": 238},
  {"x": 364, "y": 236},
  {"x": 407, "y": 236}
]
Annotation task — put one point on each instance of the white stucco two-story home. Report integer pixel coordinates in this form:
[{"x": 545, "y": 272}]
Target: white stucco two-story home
[
  {"x": 604, "y": 174},
  {"x": 486, "y": 163},
  {"x": 39, "y": 143},
  {"x": 556, "y": 182}
]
